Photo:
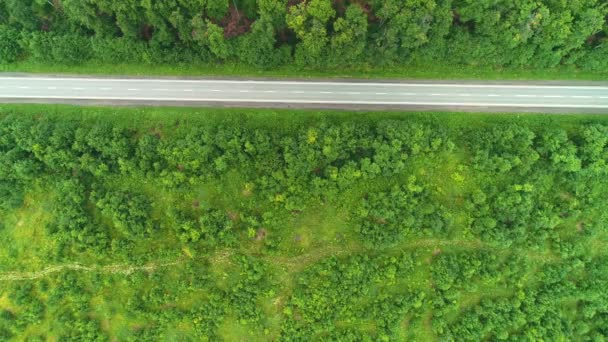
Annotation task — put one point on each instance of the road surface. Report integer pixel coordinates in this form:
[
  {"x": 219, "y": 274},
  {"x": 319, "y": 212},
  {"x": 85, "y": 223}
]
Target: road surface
[{"x": 467, "y": 96}]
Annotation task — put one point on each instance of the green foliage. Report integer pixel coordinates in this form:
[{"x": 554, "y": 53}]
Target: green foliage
[
  {"x": 512, "y": 213},
  {"x": 258, "y": 47},
  {"x": 244, "y": 294},
  {"x": 73, "y": 224},
  {"x": 378, "y": 227},
  {"x": 129, "y": 212},
  {"x": 408, "y": 26},
  {"x": 312, "y": 34},
  {"x": 22, "y": 14},
  {"x": 334, "y": 292},
  {"x": 309, "y": 21},
  {"x": 67, "y": 49},
  {"x": 387, "y": 218},
  {"x": 119, "y": 50},
  {"x": 348, "y": 42},
  {"x": 212, "y": 227},
  {"x": 504, "y": 149},
  {"x": 13, "y": 169},
  {"x": 10, "y": 50},
  {"x": 215, "y": 39}
]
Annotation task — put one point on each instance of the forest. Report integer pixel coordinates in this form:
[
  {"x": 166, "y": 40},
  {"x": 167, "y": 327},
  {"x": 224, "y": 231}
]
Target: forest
[
  {"x": 210, "y": 224},
  {"x": 313, "y": 34}
]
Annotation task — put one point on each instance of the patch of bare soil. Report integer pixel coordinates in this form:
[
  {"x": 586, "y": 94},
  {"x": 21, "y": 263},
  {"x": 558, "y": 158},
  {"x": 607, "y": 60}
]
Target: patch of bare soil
[{"x": 261, "y": 234}]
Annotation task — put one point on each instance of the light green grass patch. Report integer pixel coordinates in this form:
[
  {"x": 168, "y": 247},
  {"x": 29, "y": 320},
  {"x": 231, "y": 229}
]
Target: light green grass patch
[
  {"x": 363, "y": 71},
  {"x": 24, "y": 232}
]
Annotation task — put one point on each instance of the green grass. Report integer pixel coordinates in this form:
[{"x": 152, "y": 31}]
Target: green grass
[
  {"x": 169, "y": 120},
  {"x": 419, "y": 71}
]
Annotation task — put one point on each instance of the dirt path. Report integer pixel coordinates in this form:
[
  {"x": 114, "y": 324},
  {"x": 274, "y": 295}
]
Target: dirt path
[
  {"x": 112, "y": 269},
  {"x": 293, "y": 264}
]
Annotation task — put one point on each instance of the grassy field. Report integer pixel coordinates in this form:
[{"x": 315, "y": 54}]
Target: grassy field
[
  {"x": 430, "y": 71},
  {"x": 301, "y": 265}
]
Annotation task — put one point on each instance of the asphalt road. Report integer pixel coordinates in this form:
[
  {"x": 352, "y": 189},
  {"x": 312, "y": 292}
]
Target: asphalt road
[{"x": 517, "y": 97}]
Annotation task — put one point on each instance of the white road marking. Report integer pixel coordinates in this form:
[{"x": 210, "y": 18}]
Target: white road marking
[
  {"x": 494, "y": 95},
  {"x": 270, "y": 91},
  {"x": 132, "y": 89},
  {"x": 77, "y": 88},
  {"x": 449, "y": 85},
  {"x": 216, "y": 90},
  {"x": 243, "y": 91},
  {"x": 187, "y": 90},
  {"x": 327, "y": 92},
  {"x": 408, "y": 94},
  {"x": 603, "y": 97},
  {"x": 380, "y": 93},
  {"x": 106, "y": 88},
  {"x": 435, "y": 94},
  {"x": 401, "y": 103}
]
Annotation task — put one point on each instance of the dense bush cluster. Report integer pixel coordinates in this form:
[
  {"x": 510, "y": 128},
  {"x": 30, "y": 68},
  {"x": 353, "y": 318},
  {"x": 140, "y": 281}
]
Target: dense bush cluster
[
  {"x": 537, "y": 312},
  {"x": 333, "y": 294},
  {"x": 311, "y": 33},
  {"x": 129, "y": 212},
  {"x": 390, "y": 217},
  {"x": 333, "y": 229}
]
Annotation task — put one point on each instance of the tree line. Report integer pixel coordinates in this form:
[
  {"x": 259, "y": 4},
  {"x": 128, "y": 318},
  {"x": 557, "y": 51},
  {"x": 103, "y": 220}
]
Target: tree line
[{"x": 310, "y": 33}]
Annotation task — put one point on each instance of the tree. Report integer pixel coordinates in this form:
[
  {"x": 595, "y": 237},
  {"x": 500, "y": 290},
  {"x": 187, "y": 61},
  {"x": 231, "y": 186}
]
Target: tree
[
  {"x": 93, "y": 15},
  {"x": 129, "y": 212},
  {"x": 348, "y": 41},
  {"x": 10, "y": 49},
  {"x": 217, "y": 9},
  {"x": 404, "y": 26},
  {"x": 258, "y": 47},
  {"x": 71, "y": 49},
  {"x": 211, "y": 36},
  {"x": 386, "y": 218},
  {"x": 130, "y": 18},
  {"x": 273, "y": 11},
  {"x": 120, "y": 50},
  {"x": 562, "y": 152},
  {"x": 4, "y": 16},
  {"x": 21, "y": 14},
  {"x": 72, "y": 221},
  {"x": 309, "y": 21}
]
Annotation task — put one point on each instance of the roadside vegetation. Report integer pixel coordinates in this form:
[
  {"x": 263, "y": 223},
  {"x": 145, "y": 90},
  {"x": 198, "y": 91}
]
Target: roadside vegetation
[
  {"x": 360, "y": 38},
  {"x": 208, "y": 224}
]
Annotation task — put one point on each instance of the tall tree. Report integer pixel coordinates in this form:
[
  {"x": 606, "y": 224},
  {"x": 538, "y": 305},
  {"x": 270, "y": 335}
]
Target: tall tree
[
  {"x": 309, "y": 21},
  {"x": 403, "y": 26},
  {"x": 349, "y": 38},
  {"x": 21, "y": 14},
  {"x": 10, "y": 49},
  {"x": 87, "y": 13}
]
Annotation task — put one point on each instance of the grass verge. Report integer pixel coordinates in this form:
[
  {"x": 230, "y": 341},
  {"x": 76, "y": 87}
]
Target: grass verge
[{"x": 419, "y": 71}]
